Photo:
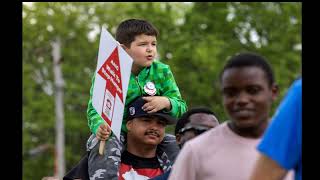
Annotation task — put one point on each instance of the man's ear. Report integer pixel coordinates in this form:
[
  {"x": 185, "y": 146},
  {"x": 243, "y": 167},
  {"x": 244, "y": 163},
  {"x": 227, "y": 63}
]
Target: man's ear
[
  {"x": 275, "y": 91},
  {"x": 178, "y": 138},
  {"x": 129, "y": 125}
]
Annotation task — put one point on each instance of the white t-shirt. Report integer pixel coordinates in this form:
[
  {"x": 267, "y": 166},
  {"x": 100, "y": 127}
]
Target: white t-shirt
[{"x": 217, "y": 154}]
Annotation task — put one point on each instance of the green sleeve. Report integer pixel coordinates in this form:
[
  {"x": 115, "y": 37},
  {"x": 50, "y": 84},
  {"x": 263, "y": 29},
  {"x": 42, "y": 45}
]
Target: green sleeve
[
  {"x": 171, "y": 90},
  {"x": 94, "y": 119}
]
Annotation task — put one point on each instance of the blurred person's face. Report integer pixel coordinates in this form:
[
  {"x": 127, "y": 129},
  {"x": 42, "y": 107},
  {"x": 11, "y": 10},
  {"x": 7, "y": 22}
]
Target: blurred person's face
[
  {"x": 199, "y": 123},
  {"x": 247, "y": 97}
]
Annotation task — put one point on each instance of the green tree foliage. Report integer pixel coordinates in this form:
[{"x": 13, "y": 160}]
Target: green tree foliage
[
  {"x": 195, "y": 39},
  {"x": 217, "y": 31}
]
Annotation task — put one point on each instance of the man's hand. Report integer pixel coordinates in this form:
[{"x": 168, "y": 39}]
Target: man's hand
[
  {"x": 103, "y": 132},
  {"x": 156, "y": 103}
]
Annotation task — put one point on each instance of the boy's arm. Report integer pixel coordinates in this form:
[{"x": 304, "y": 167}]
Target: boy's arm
[
  {"x": 171, "y": 91},
  {"x": 94, "y": 119}
]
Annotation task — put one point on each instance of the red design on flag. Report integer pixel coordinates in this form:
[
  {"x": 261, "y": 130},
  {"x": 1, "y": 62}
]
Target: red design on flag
[{"x": 110, "y": 71}]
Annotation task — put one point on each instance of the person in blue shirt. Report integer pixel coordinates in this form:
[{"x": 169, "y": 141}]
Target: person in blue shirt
[{"x": 280, "y": 148}]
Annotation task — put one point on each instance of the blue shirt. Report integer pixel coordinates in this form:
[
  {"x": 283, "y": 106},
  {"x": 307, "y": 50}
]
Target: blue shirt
[{"x": 282, "y": 139}]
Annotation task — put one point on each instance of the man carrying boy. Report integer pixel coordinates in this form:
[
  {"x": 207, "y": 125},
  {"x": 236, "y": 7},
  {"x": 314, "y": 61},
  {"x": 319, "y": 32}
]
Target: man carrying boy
[
  {"x": 149, "y": 78},
  {"x": 141, "y": 157}
]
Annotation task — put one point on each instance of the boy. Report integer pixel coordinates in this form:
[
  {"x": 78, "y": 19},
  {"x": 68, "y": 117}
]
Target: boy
[{"x": 149, "y": 78}]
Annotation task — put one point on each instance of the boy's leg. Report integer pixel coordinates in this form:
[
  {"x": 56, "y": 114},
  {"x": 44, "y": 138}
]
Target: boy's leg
[
  {"x": 79, "y": 171},
  {"x": 105, "y": 166},
  {"x": 169, "y": 146}
]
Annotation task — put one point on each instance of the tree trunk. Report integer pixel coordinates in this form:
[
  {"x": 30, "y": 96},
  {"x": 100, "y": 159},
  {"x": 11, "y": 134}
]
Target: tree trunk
[{"x": 59, "y": 84}]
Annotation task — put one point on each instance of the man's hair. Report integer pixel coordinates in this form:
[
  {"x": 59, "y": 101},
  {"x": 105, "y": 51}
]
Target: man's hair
[
  {"x": 250, "y": 60},
  {"x": 129, "y": 29},
  {"x": 184, "y": 119}
]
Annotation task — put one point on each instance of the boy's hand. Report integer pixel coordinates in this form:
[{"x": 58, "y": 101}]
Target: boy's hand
[
  {"x": 156, "y": 103},
  {"x": 103, "y": 132}
]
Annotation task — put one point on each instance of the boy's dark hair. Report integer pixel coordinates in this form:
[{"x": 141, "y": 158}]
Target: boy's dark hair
[
  {"x": 129, "y": 29},
  {"x": 184, "y": 119},
  {"x": 250, "y": 59}
]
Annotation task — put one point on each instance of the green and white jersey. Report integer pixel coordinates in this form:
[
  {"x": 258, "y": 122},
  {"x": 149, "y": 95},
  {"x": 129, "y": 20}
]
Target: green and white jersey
[{"x": 161, "y": 77}]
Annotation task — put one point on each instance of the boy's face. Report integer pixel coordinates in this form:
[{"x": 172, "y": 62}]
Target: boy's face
[
  {"x": 247, "y": 97},
  {"x": 142, "y": 50},
  {"x": 146, "y": 130}
]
